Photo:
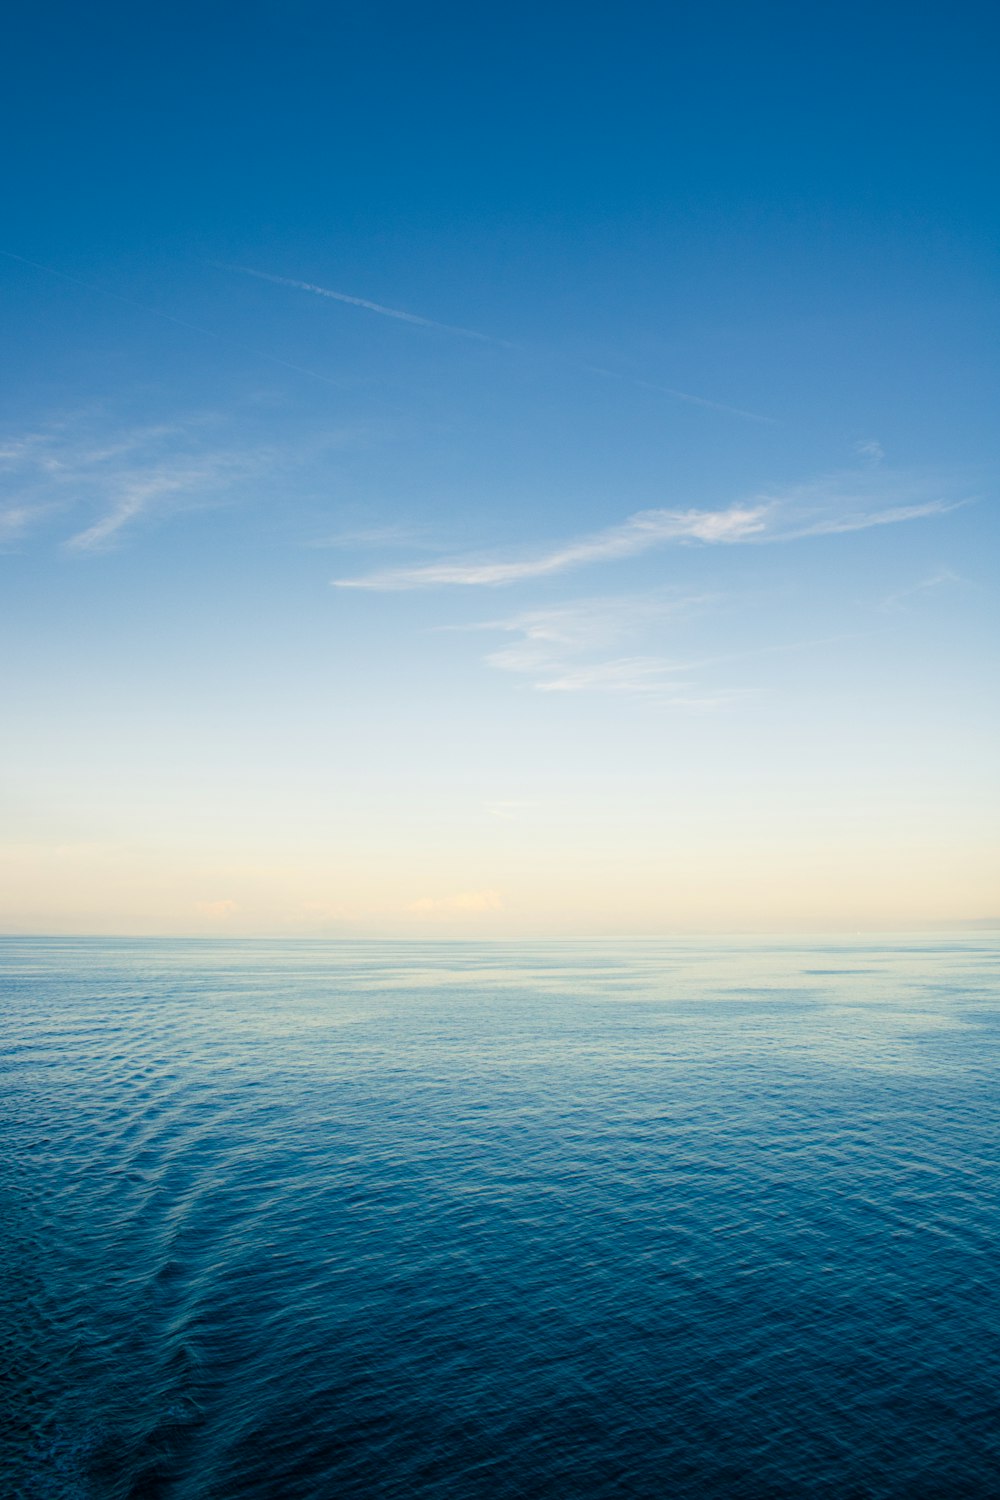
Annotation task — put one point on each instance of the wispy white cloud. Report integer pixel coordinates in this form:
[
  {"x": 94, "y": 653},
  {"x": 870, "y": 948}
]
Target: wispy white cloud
[
  {"x": 27, "y": 448},
  {"x": 387, "y": 536},
  {"x": 871, "y": 449},
  {"x": 857, "y": 499},
  {"x": 15, "y": 520},
  {"x": 119, "y": 475},
  {"x": 644, "y": 676},
  {"x": 578, "y": 648},
  {"x": 639, "y": 533},
  {"x": 586, "y": 626},
  {"x": 864, "y": 520},
  {"x": 832, "y": 505},
  {"x": 642, "y": 645},
  {"x": 669, "y": 681},
  {"x": 138, "y": 494}
]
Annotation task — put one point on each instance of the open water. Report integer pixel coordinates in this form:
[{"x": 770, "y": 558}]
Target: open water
[{"x": 316, "y": 1221}]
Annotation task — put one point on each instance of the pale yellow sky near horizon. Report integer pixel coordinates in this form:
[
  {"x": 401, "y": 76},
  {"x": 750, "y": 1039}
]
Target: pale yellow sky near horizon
[{"x": 831, "y": 885}]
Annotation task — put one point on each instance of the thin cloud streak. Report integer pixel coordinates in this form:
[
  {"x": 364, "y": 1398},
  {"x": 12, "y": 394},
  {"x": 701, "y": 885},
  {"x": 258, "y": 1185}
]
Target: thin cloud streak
[
  {"x": 895, "y": 602},
  {"x": 813, "y": 510},
  {"x": 16, "y": 519},
  {"x": 118, "y": 476},
  {"x": 644, "y": 530},
  {"x": 548, "y": 638},
  {"x": 839, "y": 525},
  {"x": 139, "y": 495},
  {"x": 639, "y": 533},
  {"x": 487, "y": 338},
  {"x": 566, "y": 649},
  {"x": 155, "y": 312},
  {"x": 388, "y": 536},
  {"x": 676, "y": 395},
  {"x": 369, "y": 306},
  {"x": 623, "y": 674}
]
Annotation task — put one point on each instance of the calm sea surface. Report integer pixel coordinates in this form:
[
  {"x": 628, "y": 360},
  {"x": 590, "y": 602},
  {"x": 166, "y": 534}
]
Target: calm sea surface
[{"x": 656, "y": 1219}]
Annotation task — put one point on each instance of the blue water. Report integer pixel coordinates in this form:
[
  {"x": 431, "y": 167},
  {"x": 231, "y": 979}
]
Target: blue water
[{"x": 656, "y": 1219}]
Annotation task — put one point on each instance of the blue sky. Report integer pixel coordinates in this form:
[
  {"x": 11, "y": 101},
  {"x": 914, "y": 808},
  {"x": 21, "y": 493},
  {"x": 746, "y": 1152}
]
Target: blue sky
[{"x": 523, "y": 472}]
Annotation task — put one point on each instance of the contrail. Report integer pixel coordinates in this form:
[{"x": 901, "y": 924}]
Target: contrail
[
  {"x": 487, "y": 338},
  {"x": 154, "y": 312},
  {"x": 368, "y": 306},
  {"x": 375, "y": 307},
  {"x": 669, "y": 390}
]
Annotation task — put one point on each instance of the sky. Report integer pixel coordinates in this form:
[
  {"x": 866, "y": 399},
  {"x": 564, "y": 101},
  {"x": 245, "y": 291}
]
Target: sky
[{"x": 499, "y": 472}]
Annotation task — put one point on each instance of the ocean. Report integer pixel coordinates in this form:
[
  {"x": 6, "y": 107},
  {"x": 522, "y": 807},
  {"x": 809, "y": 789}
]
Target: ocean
[{"x": 572, "y": 1220}]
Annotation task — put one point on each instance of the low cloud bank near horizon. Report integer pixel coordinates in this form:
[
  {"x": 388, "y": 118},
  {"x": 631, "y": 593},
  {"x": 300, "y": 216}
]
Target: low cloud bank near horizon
[{"x": 463, "y": 903}]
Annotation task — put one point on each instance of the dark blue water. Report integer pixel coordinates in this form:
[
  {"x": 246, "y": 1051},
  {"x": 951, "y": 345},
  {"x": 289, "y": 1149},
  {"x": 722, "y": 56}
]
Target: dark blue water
[{"x": 655, "y": 1219}]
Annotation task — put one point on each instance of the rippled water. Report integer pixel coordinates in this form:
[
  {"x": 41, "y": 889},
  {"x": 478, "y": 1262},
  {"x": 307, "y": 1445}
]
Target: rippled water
[{"x": 657, "y": 1219}]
